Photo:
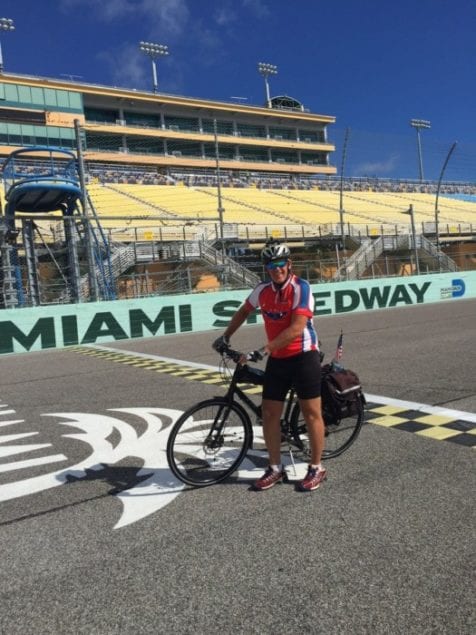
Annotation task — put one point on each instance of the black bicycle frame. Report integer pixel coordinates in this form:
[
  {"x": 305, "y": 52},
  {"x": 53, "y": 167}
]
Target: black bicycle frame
[{"x": 234, "y": 389}]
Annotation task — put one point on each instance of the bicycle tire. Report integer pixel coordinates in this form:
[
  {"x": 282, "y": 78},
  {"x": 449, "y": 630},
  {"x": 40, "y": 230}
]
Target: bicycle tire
[
  {"x": 197, "y": 456},
  {"x": 339, "y": 437}
]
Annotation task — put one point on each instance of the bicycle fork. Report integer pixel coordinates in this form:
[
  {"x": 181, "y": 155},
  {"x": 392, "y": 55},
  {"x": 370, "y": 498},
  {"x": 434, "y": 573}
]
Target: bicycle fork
[{"x": 214, "y": 439}]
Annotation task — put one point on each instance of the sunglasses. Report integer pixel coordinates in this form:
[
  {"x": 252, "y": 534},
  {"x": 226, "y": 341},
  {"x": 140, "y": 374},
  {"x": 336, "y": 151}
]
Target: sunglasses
[{"x": 274, "y": 264}]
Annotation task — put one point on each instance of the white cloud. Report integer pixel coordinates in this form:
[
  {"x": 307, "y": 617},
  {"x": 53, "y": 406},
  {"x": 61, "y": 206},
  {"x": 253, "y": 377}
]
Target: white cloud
[
  {"x": 161, "y": 17},
  {"x": 208, "y": 34},
  {"x": 384, "y": 166},
  {"x": 106, "y": 11},
  {"x": 127, "y": 67},
  {"x": 168, "y": 16},
  {"x": 224, "y": 15},
  {"x": 258, "y": 7},
  {"x": 162, "y": 21}
]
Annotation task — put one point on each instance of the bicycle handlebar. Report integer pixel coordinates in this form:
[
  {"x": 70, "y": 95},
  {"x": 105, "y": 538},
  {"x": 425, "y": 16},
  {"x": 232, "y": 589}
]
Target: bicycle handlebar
[{"x": 235, "y": 356}]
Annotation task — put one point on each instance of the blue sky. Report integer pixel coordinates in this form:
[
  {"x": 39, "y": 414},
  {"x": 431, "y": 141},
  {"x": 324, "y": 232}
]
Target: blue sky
[{"x": 373, "y": 64}]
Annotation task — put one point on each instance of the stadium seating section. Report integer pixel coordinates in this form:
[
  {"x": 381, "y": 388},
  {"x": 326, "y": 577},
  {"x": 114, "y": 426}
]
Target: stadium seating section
[
  {"x": 141, "y": 205},
  {"x": 148, "y": 207}
]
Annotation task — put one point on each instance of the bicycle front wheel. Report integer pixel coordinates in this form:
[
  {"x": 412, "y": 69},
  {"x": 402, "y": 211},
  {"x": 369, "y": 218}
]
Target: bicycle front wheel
[
  {"x": 209, "y": 442},
  {"x": 339, "y": 436}
]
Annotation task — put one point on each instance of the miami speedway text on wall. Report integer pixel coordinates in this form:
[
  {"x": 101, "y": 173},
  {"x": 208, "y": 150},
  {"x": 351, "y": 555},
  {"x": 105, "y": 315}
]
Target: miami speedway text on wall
[{"x": 46, "y": 327}]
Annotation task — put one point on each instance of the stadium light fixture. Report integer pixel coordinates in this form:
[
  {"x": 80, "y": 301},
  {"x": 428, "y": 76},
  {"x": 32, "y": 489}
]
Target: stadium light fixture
[
  {"x": 154, "y": 51},
  {"x": 420, "y": 124},
  {"x": 266, "y": 70},
  {"x": 6, "y": 24}
]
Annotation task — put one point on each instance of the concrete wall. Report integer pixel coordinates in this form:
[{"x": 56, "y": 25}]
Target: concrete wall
[{"x": 45, "y": 327}]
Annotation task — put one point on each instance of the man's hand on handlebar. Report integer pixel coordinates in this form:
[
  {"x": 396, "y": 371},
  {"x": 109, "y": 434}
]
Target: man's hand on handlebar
[
  {"x": 256, "y": 356},
  {"x": 221, "y": 344}
]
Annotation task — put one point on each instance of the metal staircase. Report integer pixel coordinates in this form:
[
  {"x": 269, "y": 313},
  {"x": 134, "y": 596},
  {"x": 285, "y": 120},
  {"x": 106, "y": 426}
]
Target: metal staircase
[
  {"x": 119, "y": 259},
  {"x": 428, "y": 249},
  {"x": 355, "y": 266},
  {"x": 237, "y": 272},
  {"x": 369, "y": 250}
]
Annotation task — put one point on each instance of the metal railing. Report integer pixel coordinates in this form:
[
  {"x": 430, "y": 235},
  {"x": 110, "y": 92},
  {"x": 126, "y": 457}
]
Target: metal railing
[
  {"x": 234, "y": 269},
  {"x": 195, "y": 230},
  {"x": 445, "y": 263},
  {"x": 361, "y": 260}
]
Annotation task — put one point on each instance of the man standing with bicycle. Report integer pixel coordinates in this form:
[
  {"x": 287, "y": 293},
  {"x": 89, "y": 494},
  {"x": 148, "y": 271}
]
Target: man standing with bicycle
[{"x": 287, "y": 307}]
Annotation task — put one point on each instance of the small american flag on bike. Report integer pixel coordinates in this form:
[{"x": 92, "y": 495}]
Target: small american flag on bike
[{"x": 340, "y": 347}]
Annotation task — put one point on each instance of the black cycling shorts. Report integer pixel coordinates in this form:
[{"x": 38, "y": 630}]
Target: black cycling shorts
[{"x": 301, "y": 372}]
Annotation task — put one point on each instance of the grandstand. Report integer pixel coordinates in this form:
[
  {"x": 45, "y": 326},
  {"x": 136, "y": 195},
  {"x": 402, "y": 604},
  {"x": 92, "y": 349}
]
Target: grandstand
[
  {"x": 196, "y": 187},
  {"x": 367, "y": 212}
]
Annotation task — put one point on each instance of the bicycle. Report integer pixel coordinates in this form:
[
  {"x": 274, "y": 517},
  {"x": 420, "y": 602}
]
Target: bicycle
[{"x": 210, "y": 440}]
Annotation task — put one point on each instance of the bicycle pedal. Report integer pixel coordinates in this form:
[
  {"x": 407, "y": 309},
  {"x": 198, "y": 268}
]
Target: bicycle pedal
[{"x": 285, "y": 477}]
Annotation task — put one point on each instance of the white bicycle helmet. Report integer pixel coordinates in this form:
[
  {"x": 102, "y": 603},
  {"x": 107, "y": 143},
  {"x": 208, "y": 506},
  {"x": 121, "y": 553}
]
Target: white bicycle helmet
[{"x": 275, "y": 251}]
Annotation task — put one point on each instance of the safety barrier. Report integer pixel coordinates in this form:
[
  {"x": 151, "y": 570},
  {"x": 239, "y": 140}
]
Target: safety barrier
[{"x": 46, "y": 327}]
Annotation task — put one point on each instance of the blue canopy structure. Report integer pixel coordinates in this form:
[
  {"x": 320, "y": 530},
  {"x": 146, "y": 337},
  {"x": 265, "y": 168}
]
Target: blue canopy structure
[
  {"x": 50, "y": 185},
  {"x": 41, "y": 180}
]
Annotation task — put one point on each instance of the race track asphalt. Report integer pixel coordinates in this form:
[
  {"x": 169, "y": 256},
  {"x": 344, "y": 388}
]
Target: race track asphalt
[{"x": 97, "y": 537}]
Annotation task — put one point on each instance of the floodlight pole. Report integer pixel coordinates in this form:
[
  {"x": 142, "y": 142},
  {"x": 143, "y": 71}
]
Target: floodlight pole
[
  {"x": 220, "y": 205},
  {"x": 418, "y": 124},
  {"x": 415, "y": 250},
  {"x": 437, "y": 212},
  {"x": 266, "y": 70},
  {"x": 341, "y": 192},
  {"x": 6, "y": 24},
  {"x": 154, "y": 51}
]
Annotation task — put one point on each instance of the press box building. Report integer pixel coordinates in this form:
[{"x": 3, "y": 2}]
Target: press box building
[{"x": 162, "y": 131}]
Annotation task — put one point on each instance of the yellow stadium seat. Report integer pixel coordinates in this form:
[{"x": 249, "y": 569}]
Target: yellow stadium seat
[{"x": 174, "y": 209}]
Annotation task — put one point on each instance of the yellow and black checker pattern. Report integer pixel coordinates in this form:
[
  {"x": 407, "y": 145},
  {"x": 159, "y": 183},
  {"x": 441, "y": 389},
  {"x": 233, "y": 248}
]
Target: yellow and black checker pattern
[
  {"x": 203, "y": 375},
  {"x": 433, "y": 426},
  {"x": 441, "y": 428}
]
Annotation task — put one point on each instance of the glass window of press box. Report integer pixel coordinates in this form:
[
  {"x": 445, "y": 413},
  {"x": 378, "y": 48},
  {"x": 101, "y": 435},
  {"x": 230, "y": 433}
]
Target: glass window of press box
[
  {"x": 100, "y": 115},
  {"x": 222, "y": 127},
  {"x": 178, "y": 124},
  {"x": 37, "y": 97},
  {"x": 27, "y": 135},
  {"x": 312, "y": 136}
]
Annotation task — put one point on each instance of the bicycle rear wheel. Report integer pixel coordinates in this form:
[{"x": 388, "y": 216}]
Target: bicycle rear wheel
[
  {"x": 208, "y": 442},
  {"x": 339, "y": 436}
]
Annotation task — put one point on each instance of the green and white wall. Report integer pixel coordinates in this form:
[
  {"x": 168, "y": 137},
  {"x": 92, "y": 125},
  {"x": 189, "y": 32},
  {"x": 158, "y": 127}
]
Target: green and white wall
[{"x": 33, "y": 329}]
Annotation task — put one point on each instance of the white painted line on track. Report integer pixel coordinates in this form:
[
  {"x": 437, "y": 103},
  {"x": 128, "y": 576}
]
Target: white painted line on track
[
  {"x": 44, "y": 460},
  {"x": 389, "y": 401}
]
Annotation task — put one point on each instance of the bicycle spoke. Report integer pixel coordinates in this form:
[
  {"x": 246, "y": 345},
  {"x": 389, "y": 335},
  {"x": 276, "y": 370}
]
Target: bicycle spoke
[
  {"x": 338, "y": 436},
  {"x": 208, "y": 443}
]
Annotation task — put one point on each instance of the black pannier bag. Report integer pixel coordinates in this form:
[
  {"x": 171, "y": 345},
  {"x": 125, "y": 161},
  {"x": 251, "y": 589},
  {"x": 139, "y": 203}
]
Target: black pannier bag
[{"x": 342, "y": 393}]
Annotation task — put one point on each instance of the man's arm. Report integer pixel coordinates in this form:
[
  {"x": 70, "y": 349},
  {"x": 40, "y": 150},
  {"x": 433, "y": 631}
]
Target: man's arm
[
  {"x": 237, "y": 320},
  {"x": 297, "y": 326}
]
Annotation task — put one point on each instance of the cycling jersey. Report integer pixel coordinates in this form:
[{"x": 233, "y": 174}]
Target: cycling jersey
[{"x": 278, "y": 305}]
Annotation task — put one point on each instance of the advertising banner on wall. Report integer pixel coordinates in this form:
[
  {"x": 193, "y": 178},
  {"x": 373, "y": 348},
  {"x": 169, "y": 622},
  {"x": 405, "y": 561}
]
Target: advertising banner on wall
[{"x": 38, "y": 328}]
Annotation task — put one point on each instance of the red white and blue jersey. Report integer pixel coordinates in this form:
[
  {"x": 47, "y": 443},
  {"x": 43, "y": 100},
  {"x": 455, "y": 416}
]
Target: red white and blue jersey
[{"x": 278, "y": 305}]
